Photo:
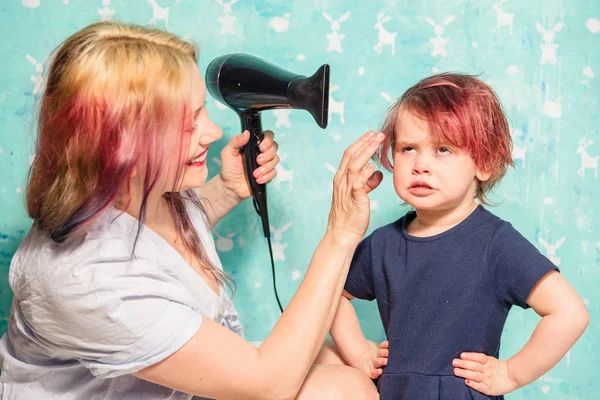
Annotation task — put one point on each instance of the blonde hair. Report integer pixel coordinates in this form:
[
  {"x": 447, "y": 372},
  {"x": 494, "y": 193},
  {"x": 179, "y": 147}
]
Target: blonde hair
[{"x": 115, "y": 94}]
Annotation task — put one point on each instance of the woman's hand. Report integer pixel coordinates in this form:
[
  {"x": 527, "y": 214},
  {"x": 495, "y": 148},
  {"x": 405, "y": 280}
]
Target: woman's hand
[
  {"x": 374, "y": 359},
  {"x": 232, "y": 164},
  {"x": 350, "y": 208},
  {"x": 485, "y": 374}
]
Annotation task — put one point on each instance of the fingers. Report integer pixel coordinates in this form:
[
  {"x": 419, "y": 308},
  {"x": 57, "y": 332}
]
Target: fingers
[
  {"x": 470, "y": 365},
  {"x": 236, "y": 143},
  {"x": 268, "y": 154},
  {"x": 268, "y": 177},
  {"x": 478, "y": 357},
  {"x": 267, "y": 159},
  {"x": 267, "y": 145},
  {"x": 381, "y": 359},
  {"x": 266, "y": 167},
  {"x": 468, "y": 374},
  {"x": 374, "y": 181},
  {"x": 267, "y": 141},
  {"x": 357, "y": 174},
  {"x": 352, "y": 149},
  {"x": 376, "y": 373},
  {"x": 480, "y": 387},
  {"x": 360, "y": 182},
  {"x": 266, "y": 172},
  {"x": 380, "y": 362},
  {"x": 362, "y": 155}
]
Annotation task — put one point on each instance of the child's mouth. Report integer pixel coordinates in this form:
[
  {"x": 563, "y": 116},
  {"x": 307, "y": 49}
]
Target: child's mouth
[
  {"x": 420, "y": 189},
  {"x": 420, "y": 185}
]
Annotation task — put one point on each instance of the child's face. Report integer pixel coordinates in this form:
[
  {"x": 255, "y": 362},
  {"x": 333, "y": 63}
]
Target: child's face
[{"x": 431, "y": 176}]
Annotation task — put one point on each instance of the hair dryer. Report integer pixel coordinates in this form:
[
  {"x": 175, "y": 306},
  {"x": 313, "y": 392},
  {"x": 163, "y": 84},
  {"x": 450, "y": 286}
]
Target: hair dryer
[{"x": 248, "y": 85}]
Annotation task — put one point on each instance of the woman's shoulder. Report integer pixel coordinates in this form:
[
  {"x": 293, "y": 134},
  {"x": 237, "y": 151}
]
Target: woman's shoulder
[{"x": 41, "y": 265}]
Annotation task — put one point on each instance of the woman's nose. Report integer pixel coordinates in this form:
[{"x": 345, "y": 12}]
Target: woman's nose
[{"x": 212, "y": 132}]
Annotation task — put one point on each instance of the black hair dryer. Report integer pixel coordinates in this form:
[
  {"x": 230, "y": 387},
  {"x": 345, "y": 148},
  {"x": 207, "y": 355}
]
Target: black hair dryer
[{"x": 248, "y": 85}]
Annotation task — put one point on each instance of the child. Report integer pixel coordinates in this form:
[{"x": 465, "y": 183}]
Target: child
[{"x": 446, "y": 274}]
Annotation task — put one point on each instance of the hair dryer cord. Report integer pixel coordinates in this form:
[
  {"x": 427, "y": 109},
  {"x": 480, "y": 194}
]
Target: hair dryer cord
[
  {"x": 272, "y": 261},
  {"x": 273, "y": 271}
]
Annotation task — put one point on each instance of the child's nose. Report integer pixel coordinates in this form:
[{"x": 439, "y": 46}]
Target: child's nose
[
  {"x": 420, "y": 169},
  {"x": 420, "y": 166}
]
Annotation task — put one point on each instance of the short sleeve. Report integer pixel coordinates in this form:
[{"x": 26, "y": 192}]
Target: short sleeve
[
  {"x": 515, "y": 265},
  {"x": 116, "y": 318},
  {"x": 359, "y": 282}
]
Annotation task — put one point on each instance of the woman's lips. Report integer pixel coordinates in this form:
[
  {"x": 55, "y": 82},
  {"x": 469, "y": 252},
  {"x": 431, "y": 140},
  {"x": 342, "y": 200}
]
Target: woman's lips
[{"x": 198, "y": 160}]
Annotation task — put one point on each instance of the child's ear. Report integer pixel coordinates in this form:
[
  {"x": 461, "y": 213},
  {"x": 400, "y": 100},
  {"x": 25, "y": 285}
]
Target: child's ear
[{"x": 482, "y": 175}]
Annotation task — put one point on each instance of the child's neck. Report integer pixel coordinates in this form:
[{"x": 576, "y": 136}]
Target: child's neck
[{"x": 433, "y": 222}]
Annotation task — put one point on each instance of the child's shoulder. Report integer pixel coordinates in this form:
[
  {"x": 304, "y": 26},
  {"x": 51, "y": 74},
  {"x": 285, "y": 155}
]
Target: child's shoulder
[
  {"x": 497, "y": 224},
  {"x": 392, "y": 229},
  {"x": 504, "y": 237}
]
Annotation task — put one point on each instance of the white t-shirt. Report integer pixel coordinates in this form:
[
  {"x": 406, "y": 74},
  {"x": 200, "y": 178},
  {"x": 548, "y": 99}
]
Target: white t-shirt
[{"x": 85, "y": 314}]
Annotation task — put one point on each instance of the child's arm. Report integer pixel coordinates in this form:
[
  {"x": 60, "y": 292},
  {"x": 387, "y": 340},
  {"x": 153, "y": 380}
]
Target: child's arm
[
  {"x": 564, "y": 318},
  {"x": 352, "y": 344}
]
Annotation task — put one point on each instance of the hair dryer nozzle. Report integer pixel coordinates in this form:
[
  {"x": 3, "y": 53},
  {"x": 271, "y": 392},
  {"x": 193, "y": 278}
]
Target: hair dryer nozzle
[
  {"x": 312, "y": 94},
  {"x": 245, "y": 82}
]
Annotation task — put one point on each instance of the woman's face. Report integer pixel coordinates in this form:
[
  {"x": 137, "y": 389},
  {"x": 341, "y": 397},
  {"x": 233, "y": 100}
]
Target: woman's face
[
  {"x": 201, "y": 135},
  {"x": 183, "y": 167}
]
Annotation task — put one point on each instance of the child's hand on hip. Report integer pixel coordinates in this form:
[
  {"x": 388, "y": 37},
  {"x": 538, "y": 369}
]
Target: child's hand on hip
[
  {"x": 485, "y": 374},
  {"x": 374, "y": 359}
]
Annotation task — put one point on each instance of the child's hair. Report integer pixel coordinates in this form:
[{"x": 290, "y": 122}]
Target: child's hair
[
  {"x": 117, "y": 100},
  {"x": 464, "y": 111}
]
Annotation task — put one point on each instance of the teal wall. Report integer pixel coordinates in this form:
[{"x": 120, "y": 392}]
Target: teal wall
[{"x": 540, "y": 56}]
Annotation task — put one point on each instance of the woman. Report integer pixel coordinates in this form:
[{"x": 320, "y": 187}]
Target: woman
[{"x": 118, "y": 289}]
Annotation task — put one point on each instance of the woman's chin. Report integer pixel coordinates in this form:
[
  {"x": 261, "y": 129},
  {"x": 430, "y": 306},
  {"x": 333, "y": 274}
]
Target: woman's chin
[{"x": 194, "y": 178}]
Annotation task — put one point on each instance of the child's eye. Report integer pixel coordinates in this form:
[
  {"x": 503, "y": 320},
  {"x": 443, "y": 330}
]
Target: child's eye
[
  {"x": 406, "y": 149},
  {"x": 444, "y": 150}
]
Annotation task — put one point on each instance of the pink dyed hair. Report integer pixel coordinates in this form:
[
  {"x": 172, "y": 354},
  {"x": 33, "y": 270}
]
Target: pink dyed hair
[
  {"x": 117, "y": 99},
  {"x": 462, "y": 110}
]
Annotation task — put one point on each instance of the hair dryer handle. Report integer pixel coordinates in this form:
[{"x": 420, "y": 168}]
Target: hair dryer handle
[{"x": 251, "y": 121}]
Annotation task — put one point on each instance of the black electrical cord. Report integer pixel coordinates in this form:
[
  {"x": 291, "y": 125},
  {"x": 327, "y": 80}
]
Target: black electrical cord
[
  {"x": 273, "y": 270},
  {"x": 272, "y": 261}
]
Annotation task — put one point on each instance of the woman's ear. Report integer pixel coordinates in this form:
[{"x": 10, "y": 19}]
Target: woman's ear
[{"x": 482, "y": 175}]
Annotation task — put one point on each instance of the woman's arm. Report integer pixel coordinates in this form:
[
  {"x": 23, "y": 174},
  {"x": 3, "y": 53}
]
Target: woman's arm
[
  {"x": 217, "y": 363},
  {"x": 218, "y": 201}
]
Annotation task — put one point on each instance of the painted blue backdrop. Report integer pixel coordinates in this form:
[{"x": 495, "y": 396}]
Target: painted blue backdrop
[{"x": 541, "y": 56}]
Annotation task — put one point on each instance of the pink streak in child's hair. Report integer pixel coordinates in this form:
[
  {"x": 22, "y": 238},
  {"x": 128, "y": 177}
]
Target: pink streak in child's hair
[{"x": 463, "y": 111}]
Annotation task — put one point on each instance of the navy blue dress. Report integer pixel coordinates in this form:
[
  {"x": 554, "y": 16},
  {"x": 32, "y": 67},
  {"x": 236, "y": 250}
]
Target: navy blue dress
[{"x": 442, "y": 295}]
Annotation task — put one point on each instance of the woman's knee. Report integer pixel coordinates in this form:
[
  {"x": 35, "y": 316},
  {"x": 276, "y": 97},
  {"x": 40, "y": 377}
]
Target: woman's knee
[
  {"x": 330, "y": 354},
  {"x": 355, "y": 385},
  {"x": 337, "y": 382},
  {"x": 365, "y": 388}
]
